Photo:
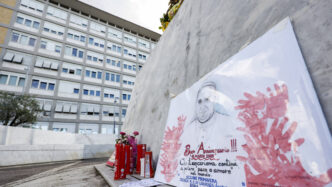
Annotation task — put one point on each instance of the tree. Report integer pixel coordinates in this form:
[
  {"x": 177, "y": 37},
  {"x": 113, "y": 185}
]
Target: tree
[{"x": 17, "y": 109}]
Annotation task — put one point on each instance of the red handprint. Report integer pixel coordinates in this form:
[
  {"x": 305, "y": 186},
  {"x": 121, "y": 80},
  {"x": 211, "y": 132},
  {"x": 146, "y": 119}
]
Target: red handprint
[
  {"x": 171, "y": 145},
  {"x": 267, "y": 150}
]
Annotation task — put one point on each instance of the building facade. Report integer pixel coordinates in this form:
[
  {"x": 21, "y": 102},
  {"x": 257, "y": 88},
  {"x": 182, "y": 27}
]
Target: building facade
[{"x": 79, "y": 62}]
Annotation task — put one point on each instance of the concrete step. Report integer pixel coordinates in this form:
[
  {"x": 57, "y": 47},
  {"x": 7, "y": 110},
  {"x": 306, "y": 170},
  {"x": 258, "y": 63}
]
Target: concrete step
[{"x": 108, "y": 174}]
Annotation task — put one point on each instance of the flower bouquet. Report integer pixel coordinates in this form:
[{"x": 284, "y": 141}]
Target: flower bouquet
[{"x": 130, "y": 140}]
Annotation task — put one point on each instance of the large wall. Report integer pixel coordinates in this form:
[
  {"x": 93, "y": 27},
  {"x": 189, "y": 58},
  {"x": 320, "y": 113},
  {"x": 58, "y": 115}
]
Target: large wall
[
  {"x": 25, "y": 146},
  {"x": 206, "y": 33}
]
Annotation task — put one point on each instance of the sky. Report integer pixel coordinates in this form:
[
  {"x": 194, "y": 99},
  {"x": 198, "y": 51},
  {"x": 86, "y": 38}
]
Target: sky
[{"x": 146, "y": 13}]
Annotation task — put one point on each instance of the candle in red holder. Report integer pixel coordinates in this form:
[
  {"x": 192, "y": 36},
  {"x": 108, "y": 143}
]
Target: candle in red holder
[
  {"x": 141, "y": 148},
  {"x": 148, "y": 170},
  {"x": 128, "y": 150},
  {"x": 119, "y": 162}
]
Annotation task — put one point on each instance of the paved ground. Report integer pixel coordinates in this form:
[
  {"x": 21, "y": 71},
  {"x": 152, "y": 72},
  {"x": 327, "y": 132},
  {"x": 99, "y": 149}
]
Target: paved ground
[{"x": 75, "y": 173}]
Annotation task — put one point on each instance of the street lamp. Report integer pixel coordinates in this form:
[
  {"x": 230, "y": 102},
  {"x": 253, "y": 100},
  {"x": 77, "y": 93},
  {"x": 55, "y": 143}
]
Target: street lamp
[
  {"x": 26, "y": 69},
  {"x": 114, "y": 116}
]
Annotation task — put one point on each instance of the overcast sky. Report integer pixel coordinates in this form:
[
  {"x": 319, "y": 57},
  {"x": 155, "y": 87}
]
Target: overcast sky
[{"x": 142, "y": 12}]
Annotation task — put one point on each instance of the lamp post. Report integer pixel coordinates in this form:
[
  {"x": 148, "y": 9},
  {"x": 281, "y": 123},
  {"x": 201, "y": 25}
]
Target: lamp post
[
  {"x": 26, "y": 69},
  {"x": 114, "y": 116}
]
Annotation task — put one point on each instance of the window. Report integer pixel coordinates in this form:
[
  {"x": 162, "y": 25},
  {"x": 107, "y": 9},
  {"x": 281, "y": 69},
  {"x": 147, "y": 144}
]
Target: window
[
  {"x": 75, "y": 35},
  {"x": 75, "y": 52},
  {"x": 32, "y": 42},
  {"x": 51, "y": 86},
  {"x": 82, "y": 38},
  {"x": 95, "y": 57},
  {"x": 43, "y": 44},
  {"x": 129, "y": 52},
  {"x": 43, "y": 85},
  {"x": 114, "y": 34},
  {"x": 76, "y": 90},
  {"x": 12, "y": 80},
  {"x": 24, "y": 40},
  {"x": 93, "y": 74},
  {"x": 57, "y": 49},
  {"x": 97, "y": 28},
  {"x": 27, "y": 22},
  {"x": 129, "y": 39},
  {"x": 80, "y": 54},
  {"x": 19, "y": 20},
  {"x": 87, "y": 73},
  {"x": 143, "y": 44},
  {"x": 36, "y": 25},
  {"x": 114, "y": 47},
  {"x": 91, "y": 41},
  {"x": 21, "y": 82},
  {"x": 78, "y": 21},
  {"x": 35, "y": 83},
  {"x": 97, "y": 42},
  {"x": 15, "y": 37},
  {"x": 56, "y": 13},
  {"x": 91, "y": 92},
  {"x": 78, "y": 71},
  {"x": 99, "y": 75},
  {"x": 32, "y": 6},
  {"x": 55, "y": 30},
  {"x": 3, "y": 79},
  {"x": 114, "y": 77},
  {"x": 64, "y": 70},
  {"x": 124, "y": 111},
  {"x": 50, "y": 46}
]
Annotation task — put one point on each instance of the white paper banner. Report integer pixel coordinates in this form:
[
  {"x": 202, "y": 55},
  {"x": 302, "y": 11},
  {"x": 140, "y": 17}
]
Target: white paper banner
[{"x": 255, "y": 120}]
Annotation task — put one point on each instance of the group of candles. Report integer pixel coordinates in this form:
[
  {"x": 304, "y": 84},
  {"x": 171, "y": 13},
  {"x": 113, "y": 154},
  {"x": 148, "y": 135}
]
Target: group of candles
[{"x": 125, "y": 161}]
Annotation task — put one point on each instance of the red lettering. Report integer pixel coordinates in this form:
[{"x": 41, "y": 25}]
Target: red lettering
[
  {"x": 187, "y": 151},
  {"x": 201, "y": 147}
]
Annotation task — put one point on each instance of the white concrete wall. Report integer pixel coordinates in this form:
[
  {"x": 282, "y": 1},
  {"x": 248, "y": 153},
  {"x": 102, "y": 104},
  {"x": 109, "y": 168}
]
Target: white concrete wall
[
  {"x": 25, "y": 146},
  {"x": 204, "y": 34}
]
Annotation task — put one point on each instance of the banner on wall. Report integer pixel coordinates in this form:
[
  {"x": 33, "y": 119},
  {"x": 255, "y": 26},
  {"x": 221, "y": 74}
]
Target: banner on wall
[{"x": 255, "y": 120}]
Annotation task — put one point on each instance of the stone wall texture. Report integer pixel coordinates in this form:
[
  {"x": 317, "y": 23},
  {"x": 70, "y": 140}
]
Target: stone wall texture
[{"x": 204, "y": 34}]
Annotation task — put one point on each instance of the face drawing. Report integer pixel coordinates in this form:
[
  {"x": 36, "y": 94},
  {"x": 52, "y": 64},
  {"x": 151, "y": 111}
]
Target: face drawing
[{"x": 204, "y": 104}]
